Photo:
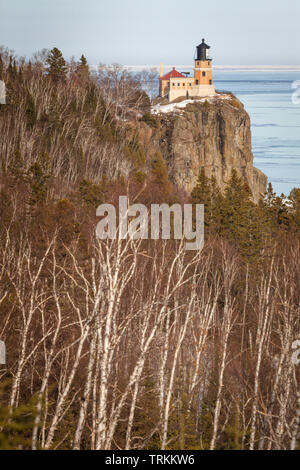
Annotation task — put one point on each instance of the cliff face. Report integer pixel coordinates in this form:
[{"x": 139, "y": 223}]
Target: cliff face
[{"x": 215, "y": 135}]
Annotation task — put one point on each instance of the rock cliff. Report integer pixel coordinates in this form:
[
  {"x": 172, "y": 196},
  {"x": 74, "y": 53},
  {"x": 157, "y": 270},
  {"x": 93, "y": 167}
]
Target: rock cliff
[{"x": 214, "y": 134}]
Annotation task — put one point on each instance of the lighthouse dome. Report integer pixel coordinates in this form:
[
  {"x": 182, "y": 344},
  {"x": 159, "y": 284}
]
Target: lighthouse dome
[{"x": 201, "y": 51}]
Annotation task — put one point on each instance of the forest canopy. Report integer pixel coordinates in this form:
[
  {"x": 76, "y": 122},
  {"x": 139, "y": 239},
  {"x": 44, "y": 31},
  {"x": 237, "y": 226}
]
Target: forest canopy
[{"x": 134, "y": 344}]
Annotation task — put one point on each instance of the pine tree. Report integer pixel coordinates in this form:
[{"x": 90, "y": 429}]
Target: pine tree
[
  {"x": 57, "y": 69},
  {"x": 242, "y": 221},
  {"x": 38, "y": 178},
  {"x": 92, "y": 194},
  {"x": 160, "y": 179},
  {"x": 16, "y": 168},
  {"x": 215, "y": 207},
  {"x": 134, "y": 152},
  {"x": 82, "y": 69},
  {"x": 31, "y": 110},
  {"x": 200, "y": 192},
  {"x": 140, "y": 101},
  {"x": 270, "y": 195},
  {"x": 295, "y": 199},
  {"x": 16, "y": 425},
  {"x": 276, "y": 209},
  {"x": 208, "y": 193}
]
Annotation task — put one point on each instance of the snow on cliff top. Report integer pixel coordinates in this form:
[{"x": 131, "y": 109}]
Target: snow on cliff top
[
  {"x": 175, "y": 107},
  {"x": 170, "y": 108}
]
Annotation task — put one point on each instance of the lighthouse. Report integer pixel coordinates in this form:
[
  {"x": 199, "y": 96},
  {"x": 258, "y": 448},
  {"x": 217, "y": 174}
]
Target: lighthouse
[
  {"x": 178, "y": 85},
  {"x": 203, "y": 84}
]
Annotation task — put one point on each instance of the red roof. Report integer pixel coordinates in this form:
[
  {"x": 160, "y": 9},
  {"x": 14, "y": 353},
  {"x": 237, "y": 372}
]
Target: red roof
[{"x": 172, "y": 74}]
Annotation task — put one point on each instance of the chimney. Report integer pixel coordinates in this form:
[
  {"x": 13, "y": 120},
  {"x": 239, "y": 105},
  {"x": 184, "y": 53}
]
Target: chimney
[{"x": 161, "y": 69}]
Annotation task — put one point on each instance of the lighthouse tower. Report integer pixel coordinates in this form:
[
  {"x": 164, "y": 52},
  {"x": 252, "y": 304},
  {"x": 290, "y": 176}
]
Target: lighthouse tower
[
  {"x": 203, "y": 79},
  {"x": 176, "y": 85}
]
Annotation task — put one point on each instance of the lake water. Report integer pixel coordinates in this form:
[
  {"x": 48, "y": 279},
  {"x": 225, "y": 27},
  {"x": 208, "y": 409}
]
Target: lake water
[{"x": 275, "y": 120}]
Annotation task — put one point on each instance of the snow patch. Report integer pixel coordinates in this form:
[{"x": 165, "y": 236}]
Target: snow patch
[
  {"x": 170, "y": 108},
  {"x": 175, "y": 107}
]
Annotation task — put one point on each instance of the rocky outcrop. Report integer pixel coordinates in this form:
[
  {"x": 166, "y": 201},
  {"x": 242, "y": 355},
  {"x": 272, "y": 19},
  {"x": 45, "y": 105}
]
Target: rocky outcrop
[{"x": 214, "y": 134}]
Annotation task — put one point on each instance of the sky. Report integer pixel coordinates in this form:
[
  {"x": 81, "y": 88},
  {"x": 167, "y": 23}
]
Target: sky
[{"x": 140, "y": 32}]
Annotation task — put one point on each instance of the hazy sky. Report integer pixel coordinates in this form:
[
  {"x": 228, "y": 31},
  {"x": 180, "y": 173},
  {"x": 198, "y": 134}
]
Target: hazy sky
[{"x": 256, "y": 32}]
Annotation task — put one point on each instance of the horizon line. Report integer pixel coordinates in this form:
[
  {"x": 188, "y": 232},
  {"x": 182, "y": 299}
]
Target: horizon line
[
  {"x": 290, "y": 68},
  {"x": 293, "y": 66}
]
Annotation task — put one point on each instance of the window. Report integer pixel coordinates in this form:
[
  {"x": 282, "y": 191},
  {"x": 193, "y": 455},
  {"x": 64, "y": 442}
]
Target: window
[
  {"x": 203, "y": 74},
  {"x": 210, "y": 82},
  {"x": 173, "y": 84},
  {"x": 183, "y": 84},
  {"x": 197, "y": 82},
  {"x": 190, "y": 84},
  {"x": 178, "y": 84}
]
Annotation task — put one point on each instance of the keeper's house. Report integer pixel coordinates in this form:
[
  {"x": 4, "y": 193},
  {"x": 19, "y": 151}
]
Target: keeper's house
[{"x": 176, "y": 85}]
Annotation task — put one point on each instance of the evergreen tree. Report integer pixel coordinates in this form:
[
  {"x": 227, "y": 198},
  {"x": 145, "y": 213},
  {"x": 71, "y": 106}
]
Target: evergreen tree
[
  {"x": 208, "y": 193},
  {"x": 215, "y": 206},
  {"x": 31, "y": 110},
  {"x": 201, "y": 190},
  {"x": 242, "y": 221},
  {"x": 160, "y": 179},
  {"x": 82, "y": 69},
  {"x": 270, "y": 195},
  {"x": 38, "y": 178},
  {"x": 277, "y": 209},
  {"x": 16, "y": 168},
  {"x": 134, "y": 152},
  {"x": 92, "y": 194},
  {"x": 57, "y": 68},
  {"x": 16, "y": 425},
  {"x": 295, "y": 200},
  {"x": 140, "y": 101}
]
